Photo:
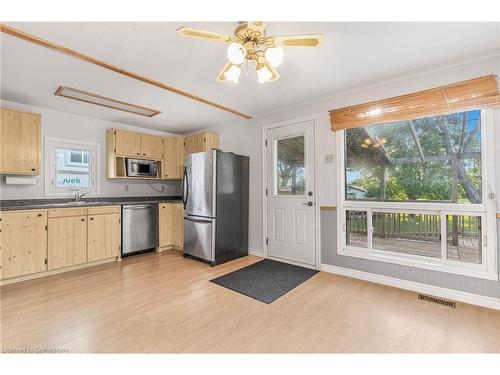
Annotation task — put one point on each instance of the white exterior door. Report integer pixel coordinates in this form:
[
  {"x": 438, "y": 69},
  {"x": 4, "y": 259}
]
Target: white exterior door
[{"x": 291, "y": 200}]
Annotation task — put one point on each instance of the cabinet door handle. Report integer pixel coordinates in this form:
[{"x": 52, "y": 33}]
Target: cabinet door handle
[
  {"x": 83, "y": 219},
  {"x": 33, "y": 169},
  {"x": 91, "y": 218},
  {"x": 143, "y": 154},
  {"x": 39, "y": 215}
]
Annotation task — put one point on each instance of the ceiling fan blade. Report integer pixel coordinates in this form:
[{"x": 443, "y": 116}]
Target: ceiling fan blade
[
  {"x": 203, "y": 34},
  {"x": 310, "y": 40},
  {"x": 221, "y": 77}
]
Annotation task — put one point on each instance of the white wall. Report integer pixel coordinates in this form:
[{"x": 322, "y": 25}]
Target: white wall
[
  {"x": 246, "y": 136},
  {"x": 87, "y": 129}
]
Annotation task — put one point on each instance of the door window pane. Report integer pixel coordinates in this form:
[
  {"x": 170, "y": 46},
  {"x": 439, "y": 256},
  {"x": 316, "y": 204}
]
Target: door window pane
[
  {"x": 356, "y": 228},
  {"x": 418, "y": 234},
  {"x": 435, "y": 159},
  {"x": 72, "y": 168},
  {"x": 463, "y": 238},
  {"x": 290, "y": 170}
]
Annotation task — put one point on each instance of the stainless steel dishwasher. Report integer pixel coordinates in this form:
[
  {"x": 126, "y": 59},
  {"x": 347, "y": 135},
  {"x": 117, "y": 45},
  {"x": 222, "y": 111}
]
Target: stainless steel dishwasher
[{"x": 139, "y": 227}]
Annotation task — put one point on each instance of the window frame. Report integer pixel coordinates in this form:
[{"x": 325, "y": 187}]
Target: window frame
[
  {"x": 488, "y": 269},
  {"x": 51, "y": 143}
]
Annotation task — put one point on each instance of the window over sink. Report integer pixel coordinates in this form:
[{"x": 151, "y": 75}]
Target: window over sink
[{"x": 71, "y": 166}]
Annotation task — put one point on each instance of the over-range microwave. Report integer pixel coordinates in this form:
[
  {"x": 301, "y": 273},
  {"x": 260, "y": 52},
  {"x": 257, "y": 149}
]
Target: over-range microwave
[{"x": 141, "y": 168}]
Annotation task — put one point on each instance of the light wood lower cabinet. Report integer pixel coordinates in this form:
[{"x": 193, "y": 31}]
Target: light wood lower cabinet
[
  {"x": 43, "y": 242},
  {"x": 23, "y": 243},
  {"x": 104, "y": 236},
  {"x": 67, "y": 243},
  {"x": 178, "y": 225},
  {"x": 171, "y": 226}
]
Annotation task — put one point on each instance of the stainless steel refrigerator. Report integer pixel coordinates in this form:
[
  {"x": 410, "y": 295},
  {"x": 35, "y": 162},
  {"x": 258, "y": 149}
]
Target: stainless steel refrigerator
[{"x": 215, "y": 197}]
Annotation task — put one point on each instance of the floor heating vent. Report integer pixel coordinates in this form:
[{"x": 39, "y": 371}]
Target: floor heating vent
[{"x": 439, "y": 301}]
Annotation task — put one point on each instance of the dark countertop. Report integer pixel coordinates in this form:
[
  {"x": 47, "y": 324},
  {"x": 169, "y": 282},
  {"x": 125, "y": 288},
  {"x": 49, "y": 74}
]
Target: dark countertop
[{"x": 47, "y": 204}]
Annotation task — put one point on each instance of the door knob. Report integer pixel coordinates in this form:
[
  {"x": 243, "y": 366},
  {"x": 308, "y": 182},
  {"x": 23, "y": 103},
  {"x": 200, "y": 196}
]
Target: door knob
[{"x": 307, "y": 203}]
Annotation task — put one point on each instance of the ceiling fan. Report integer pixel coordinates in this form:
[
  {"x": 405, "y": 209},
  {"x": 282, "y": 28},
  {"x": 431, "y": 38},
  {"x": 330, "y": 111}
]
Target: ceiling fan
[{"x": 250, "y": 43}]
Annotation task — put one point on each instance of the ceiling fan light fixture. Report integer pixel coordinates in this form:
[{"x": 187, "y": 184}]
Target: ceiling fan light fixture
[
  {"x": 275, "y": 56},
  {"x": 233, "y": 74},
  {"x": 264, "y": 74},
  {"x": 250, "y": 43},
  {"x": 236, "y": 53}
]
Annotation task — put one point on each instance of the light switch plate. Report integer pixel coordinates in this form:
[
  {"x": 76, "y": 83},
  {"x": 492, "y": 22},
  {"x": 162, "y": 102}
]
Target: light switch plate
[{"x": 328, "y": 158}]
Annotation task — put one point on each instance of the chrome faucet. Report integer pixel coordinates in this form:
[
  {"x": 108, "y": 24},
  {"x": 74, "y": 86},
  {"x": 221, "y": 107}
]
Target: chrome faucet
[{"x": 79, "y": 195}]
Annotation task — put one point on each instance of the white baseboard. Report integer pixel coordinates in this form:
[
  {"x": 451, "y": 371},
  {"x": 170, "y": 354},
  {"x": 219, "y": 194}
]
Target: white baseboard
[
  {"x": 258, "y": 253},
  {"x": 456, "y": 295}
]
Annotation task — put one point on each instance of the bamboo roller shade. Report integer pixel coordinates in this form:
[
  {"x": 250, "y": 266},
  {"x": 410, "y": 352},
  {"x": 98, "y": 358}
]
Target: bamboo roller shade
[{"x": 475, "y": 93}]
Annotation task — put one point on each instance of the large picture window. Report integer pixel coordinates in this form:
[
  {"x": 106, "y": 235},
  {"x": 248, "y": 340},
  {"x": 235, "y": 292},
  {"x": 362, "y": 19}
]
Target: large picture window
[
  {"x": 419, "y": 193},
  {"x": 434, "y": 159}
]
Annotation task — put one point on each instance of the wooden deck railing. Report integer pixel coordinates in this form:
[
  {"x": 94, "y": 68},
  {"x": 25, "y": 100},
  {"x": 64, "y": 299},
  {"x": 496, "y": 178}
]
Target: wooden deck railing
[{"x": 419, "y": 227}]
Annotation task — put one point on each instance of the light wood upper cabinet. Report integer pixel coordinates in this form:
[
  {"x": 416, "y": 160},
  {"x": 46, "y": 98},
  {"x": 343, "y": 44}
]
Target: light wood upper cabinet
[
  {"x": 67, "y": 241},
  {"x": 19, "y": 143},
  {"x": 151, "y": 146},
  {"x": 188, "y": 144},
  {"x": 173, "y": 157},
  {"x": 211, "y": 141},
  {"x": 121, "y": 144},
  {"x": 104, "y": 237},
  {"x": 23, "y": 243},
  {"x": 171, "y": 225},
  {"x": 137, "y": 145},
  {"x": 127, "y": 143},
  {"x": 199, "y": 142}
]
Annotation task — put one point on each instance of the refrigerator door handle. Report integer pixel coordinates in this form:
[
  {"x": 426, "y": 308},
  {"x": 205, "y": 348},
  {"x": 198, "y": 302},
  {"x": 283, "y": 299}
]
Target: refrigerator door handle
[
  {"x": 198, "y": 220},
  {"x": 185, "y": 188}
]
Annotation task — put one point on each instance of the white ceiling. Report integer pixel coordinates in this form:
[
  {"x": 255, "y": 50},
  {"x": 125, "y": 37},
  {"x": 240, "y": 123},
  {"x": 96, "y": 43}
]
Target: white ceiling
[{"x": 353, "y": 54}]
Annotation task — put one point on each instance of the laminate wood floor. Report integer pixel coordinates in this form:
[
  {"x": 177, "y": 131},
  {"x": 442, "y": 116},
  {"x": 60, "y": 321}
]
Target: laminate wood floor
[{"x": 158, "y": 303}]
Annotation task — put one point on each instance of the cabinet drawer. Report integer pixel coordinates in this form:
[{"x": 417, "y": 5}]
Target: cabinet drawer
[
  {"x": 66, "y": 212},
  {"x": 104, "y": 210}
]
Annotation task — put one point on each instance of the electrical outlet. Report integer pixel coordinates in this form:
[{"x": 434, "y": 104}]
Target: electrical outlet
[
  {"x": 127, "y": 188},
  {"x": 328, "y": 158}
]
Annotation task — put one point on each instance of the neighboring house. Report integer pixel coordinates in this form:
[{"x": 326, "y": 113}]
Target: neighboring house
[
  {"x": 73, "y": 168},
  {"x": 354, "y": 192}
]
